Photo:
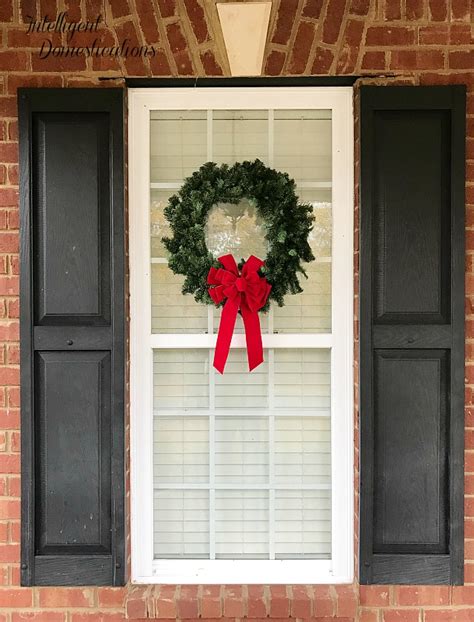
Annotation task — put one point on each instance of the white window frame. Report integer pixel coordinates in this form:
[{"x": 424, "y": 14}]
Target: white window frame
[{"x": 146, "y": 569}]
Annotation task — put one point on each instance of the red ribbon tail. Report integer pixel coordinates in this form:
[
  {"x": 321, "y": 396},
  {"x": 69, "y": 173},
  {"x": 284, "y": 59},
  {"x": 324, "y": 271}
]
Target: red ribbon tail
[
  {"x": 224, "y": 335},
  {"x": 253, "y": 336}
]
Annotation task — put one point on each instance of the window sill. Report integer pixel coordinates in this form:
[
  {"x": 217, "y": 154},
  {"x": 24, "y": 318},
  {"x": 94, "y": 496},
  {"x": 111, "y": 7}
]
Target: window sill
[
  {"x": 240, "y": 601},
  {"x": 239, "y": 572}
]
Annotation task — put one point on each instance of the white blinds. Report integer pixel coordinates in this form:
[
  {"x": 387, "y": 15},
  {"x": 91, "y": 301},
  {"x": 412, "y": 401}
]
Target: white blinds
[
  {"x": 242, "y": 462},
  {"x": 263, "y": 475}
]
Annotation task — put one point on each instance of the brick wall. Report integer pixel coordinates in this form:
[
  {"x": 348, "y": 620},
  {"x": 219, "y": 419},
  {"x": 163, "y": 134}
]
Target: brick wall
[{"x": 408, "y": 41}]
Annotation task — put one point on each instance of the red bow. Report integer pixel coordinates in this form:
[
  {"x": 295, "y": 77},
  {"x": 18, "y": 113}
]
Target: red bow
[{"x": 246, "y": 291}]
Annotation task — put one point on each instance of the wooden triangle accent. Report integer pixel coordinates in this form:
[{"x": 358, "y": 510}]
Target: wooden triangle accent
[{"x": 244, "y": 28}]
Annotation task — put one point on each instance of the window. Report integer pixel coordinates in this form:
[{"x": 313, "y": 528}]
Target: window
[{"x": 244, "y": 477}]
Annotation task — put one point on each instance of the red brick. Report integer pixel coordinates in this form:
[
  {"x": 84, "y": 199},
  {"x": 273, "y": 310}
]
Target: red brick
[
  {"x": 393, "y": 10},
  {"x": 469, "y": 573},
  {"x": 9, "y": 153},
  {"x": 13, "y": 176},
  {"x": 184, "y": 64},
  {"x": 346, "y": 600},
  {"x": 6, "y": 11},
  {"x": 198, "y": 20},
  {"x": 419, "y": 59},
  {"x": 462, "y": 595},
  {"x": 13, "y": 311},
  {"x": 312, "y": 8},
  {"x": 69, "y": 597},
  {"x": 165, "y": 605},
  {"x": 210, "y": 64},
  {"x": 279, "y": 602},
  {"x": 58, "y": 63},
  {"x": 112, "y": 597},
  {"x": 176, "y": 38},
  {"x": 374, "y": 596},
  {"x": 136, "y": 608},
  {"x": 13, "y": 397},
  {"x": 9, "y": 463},
  {"x": 120, "y": 8},
  {"x": 461, "y": 9},
  {"x": 301, "y": 48},
  {"x": 3, "y": 540},
  {"x": 97, "y": 617},
  {"x": 16, "y": 598},
  {"x": 414, "y": 9},
  {"x": 159, "y": 64},
  {"x": 373, "y": 61},
  {"x": 350, "y": 46},
  {"x": 275, "y": 62},
  {"x": 48, "y": 7},
  {"x": 148, "y": 21},
  {"x": 461, "y": 34},
  {"x": 323, "y": 602},
  {"x": 285, "y": 19},
  {"x": 447, "y": 615},
  {"x": 434, "y": 35},
  {"x": 167, "y": 7},
  {"x": 9, "y": 553},
  {"x": 422, "y": 595},
  {"x": 402, "y": 615},
  {"x": 15, "y": 531},
  {"x": 211, "y": 602},
  {"x": 10, "y": 510},
  {"x": 323, "y": 60},
  {"x": 438, "y": 10},
  {"x": 187, "y": 602},
  {"x": 9, "y": 418},
  {"x": 233, "y": 602},
  {"x": 333, "y": 20},
  {"x": 39, "y": 616},
  {"x": 256, "y": 603},
  {"x": 461, "y": 59},
  {"x": 9, "y": 242},
  {"x": 359, "y": 7},
  {"x": 13, "y": 61},
  {"x": 301, "y": 602},
  {"x": 17, "y": 80},
  {"x": 390, "y": 35}
]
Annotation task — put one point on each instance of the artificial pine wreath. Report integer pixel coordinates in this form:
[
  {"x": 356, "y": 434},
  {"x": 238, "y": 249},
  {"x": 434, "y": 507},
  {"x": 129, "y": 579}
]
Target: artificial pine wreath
[{"x": 286, "y": 221}]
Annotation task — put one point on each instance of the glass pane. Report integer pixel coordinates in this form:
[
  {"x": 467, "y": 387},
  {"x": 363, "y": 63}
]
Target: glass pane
[
  {"x": 310, "y": 311},
  {"x": 303, "y": 524},
  {"x": 181, "y": 450},
  {"x": 241, "y": 451},
  {"x": 159, "y": 226},
  {"x": 181, "y": 524},
  {"x": 180, "y": 379},
  {"x": 171, "y": 310},
  {"x": 235, "y": 229},
  {"x": 178, "y": 144},
  {"x": 303, "y": 144},
  {"x": 302, "y": 450},
  {"x": 303, "y": 379},
  {"x": 242, "y": 524},
  {"x": 237, "y": 388},
  {"x": 239, "y": 135}
]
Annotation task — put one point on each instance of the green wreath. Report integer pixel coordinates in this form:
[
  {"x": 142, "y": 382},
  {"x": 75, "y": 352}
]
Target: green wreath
[{"x": 286, "y": 222}]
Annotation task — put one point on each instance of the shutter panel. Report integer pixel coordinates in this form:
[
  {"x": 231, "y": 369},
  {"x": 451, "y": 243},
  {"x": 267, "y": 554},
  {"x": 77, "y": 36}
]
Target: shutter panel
[
  {"x": 72, "y": 336},
  {"x": 412, "y": 334}
]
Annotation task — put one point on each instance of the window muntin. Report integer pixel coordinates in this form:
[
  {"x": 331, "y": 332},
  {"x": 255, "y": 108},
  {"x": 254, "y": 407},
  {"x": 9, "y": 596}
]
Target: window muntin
[{"x": 251, "y": 453}]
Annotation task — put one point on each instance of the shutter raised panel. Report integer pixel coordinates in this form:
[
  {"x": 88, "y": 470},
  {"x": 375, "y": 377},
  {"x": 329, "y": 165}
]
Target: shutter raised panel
[
  {"x": 72, "y": 336},
  {"x": 412, "y": 334}
]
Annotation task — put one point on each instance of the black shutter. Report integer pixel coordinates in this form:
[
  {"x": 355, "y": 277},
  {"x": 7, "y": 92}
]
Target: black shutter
[
  {"x": 72, "y": 336},
  {"x": 412, "y": 334}
]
